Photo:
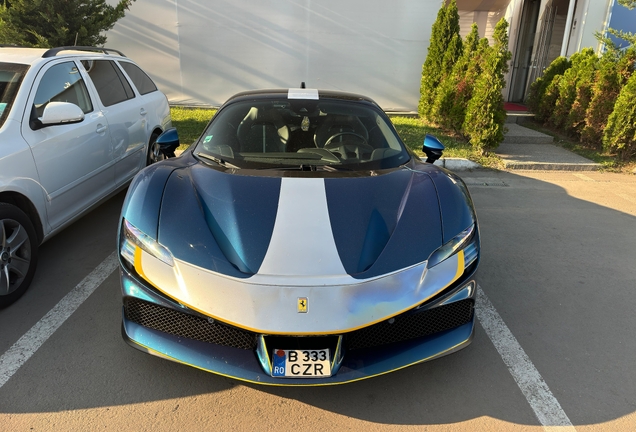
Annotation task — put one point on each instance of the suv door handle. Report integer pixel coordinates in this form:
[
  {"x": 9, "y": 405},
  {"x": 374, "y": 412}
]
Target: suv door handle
[
  {"x": 142, "y": 111},
  {"x": 101, "y": 128}
]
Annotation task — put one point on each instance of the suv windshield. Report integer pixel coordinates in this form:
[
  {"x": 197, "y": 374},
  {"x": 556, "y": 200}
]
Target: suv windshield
[
  {"x": 11, "y": 75},
  {"x": 326, "y": 134}
]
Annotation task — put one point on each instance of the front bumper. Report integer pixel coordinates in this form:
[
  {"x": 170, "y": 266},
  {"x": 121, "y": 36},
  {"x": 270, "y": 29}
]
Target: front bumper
[{"x": 199, "y": 341}]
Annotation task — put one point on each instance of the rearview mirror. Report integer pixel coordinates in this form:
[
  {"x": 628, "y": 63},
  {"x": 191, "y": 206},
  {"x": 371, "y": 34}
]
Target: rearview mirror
[
  {"x": 168, "y": 142},
  {"x": 432, "y": 148}
]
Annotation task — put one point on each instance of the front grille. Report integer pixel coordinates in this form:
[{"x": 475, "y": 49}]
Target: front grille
[
  {"x": 188, "y": 326},
  {"x": 412, "y": 325}
]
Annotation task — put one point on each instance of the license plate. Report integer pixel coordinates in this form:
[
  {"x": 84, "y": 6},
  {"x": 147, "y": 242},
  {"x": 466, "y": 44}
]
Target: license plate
[{"x": 301, "y": 363}]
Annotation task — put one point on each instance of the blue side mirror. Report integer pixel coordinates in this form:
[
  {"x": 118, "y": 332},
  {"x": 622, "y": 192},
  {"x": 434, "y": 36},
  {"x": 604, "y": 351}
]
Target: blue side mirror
[
  {"x": 432, "y": 148},
  {"x": 168, "y": 142}
]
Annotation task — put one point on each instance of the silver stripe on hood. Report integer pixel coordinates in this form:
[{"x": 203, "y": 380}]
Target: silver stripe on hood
[{"x": 302, "y": 244}]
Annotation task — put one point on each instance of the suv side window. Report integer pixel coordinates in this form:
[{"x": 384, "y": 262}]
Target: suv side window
[
  {"x": 62, "y": 83},
  {"x": 109, "y": 81},
  {"x": 139, "y": 78}
]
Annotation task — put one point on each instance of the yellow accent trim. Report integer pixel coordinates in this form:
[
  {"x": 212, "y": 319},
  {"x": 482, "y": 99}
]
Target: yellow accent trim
[
  {"x": 165, "y": 356},
  {"x": 460, "y": 265},
  {"x": 140, "y": 271},
  {"x": 138, "y": 267}
]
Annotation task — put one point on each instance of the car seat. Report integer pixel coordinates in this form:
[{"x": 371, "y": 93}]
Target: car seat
[{"x": 262, "y": 131}]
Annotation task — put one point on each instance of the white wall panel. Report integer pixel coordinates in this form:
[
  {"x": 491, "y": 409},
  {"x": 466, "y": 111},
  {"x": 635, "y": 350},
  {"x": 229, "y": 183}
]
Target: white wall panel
[{"x": 203, "y": 51}]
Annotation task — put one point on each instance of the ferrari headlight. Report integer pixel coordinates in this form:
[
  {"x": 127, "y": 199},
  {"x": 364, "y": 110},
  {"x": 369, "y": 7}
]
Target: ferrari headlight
[
  {"x": 466, "y": 240},
  {"x": 133, "y": 239}
]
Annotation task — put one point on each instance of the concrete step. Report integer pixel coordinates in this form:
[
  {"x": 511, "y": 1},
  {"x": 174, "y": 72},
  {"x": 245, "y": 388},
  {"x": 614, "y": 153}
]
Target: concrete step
[
  {"x": 518, "y": 134},
  {"x": 518, "y": 116}
]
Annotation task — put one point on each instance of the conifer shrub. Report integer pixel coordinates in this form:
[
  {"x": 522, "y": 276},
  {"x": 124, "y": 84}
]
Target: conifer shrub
[
  {"x": 610, "y": 78},
  {"x": 619, "y": 136},
  {"x": 549, "y": 98},
  {"x": 583, "y": 67},
  {"x": 444, "y": 28},
  {"x": 575, "y": 118},
  {"x": 466, "y": 87},
  {"x": 451, "y": 56},
  {"x": 539, "y": 87},
  {"x": 455, "y": 91},
  {"x": 485, "y": 114}
]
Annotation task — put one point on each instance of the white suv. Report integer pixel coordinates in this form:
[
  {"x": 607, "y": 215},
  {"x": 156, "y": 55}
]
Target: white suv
[{"x": 76, "y": 124}]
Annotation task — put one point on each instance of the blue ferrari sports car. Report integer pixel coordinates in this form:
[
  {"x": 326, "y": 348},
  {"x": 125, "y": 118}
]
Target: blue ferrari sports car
[{"x": 298, "y": 242}]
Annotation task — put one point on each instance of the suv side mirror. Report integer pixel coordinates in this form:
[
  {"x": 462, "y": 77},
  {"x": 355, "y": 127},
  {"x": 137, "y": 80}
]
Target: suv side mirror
[
  {"x": 56, "y": 113},
  {"x": 168, "y": 142},
  {"x": 432, "y": 148}
]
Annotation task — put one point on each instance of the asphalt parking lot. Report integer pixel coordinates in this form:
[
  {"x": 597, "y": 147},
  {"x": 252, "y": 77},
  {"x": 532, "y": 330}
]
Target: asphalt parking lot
[{"x": 554, "y": 348}]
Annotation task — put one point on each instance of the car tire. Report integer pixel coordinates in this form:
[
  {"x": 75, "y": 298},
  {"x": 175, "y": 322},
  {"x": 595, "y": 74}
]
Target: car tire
[
  {"x": 154, "y": 155},
  {"x": 18, "y": 253}
]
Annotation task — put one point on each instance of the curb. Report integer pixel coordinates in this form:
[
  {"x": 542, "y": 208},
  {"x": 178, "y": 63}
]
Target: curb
[
  {"x": 457, "y": 164},
  {"x": 551, "y": 166}
]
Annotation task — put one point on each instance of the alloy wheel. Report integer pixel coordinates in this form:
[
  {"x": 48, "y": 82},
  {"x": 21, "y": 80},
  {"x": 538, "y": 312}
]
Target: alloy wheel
[{"x": 15, "y": 255}]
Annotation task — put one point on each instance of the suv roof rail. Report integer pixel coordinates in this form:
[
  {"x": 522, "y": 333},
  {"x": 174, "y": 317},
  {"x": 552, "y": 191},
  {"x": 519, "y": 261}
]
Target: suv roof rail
[{"x": 54, "y": 51}]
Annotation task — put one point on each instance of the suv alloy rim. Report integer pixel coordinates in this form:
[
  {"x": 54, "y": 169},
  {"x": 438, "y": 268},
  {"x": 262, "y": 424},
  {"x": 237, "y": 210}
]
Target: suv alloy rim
[{"x": 15, "y": 255}]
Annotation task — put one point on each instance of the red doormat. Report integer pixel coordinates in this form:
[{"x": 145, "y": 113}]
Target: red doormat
[{"x": 511, "y": 106}]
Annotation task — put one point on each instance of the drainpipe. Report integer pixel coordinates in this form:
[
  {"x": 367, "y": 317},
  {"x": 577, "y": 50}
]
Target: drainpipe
[{"x": 568, "y": 28}]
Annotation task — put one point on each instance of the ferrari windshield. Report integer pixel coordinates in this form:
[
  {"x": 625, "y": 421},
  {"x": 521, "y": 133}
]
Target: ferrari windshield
[
  {"x": 11, "y": 75},
  {"x": 302, "y": 134}
]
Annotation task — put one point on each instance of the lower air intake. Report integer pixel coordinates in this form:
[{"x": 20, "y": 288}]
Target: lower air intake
[
  {"x": 185, "y": 325},
  {"x": 412, "y": 325}
]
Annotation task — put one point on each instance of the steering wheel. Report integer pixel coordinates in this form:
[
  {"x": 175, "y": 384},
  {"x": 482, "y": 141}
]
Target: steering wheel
[{"x": 348, "y": 149}]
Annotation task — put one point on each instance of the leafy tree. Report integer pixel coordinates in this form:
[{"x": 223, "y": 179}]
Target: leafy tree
[
  {"x": 627, "y": 36},
  {"x": 485, "y": 115},
  {"x": 620, "y": 134},
  {"x": 609, "y": 44},
  {"x": 48, "y": 23},
  {"x": 540, "y": 86},
  {"x": 611, "y": 77},
  {"x": 445, "y": 27},
  {"x": 453, "y": 94}
]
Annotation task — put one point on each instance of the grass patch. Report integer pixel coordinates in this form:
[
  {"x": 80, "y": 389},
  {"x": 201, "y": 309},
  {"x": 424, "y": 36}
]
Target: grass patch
[
  {"x": 190, "y": 122},
  {"x": 413, "y": 130}
]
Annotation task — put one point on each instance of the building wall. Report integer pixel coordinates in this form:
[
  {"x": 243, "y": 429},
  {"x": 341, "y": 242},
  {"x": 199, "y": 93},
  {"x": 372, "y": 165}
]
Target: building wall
[
  {"x": 204, "y": 51},
  {"x": 595, "y": 20}
]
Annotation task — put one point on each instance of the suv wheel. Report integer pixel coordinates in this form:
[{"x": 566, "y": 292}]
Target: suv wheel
[
  {"x": 154, "y": 154},
  {"x": 18, "y": 253}
]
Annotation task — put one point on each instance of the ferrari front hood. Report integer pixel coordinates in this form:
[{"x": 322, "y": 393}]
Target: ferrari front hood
[{"x": 291, "y": 230}]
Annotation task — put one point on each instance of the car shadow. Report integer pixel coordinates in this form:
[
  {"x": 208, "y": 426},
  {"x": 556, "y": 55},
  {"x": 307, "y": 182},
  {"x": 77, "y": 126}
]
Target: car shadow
[{"x": 557, "y": 266}]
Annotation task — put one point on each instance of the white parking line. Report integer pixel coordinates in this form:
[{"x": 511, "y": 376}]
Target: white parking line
[
  {"x": 33, "y": 339},
  {"x": 545, "y": 406}
]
